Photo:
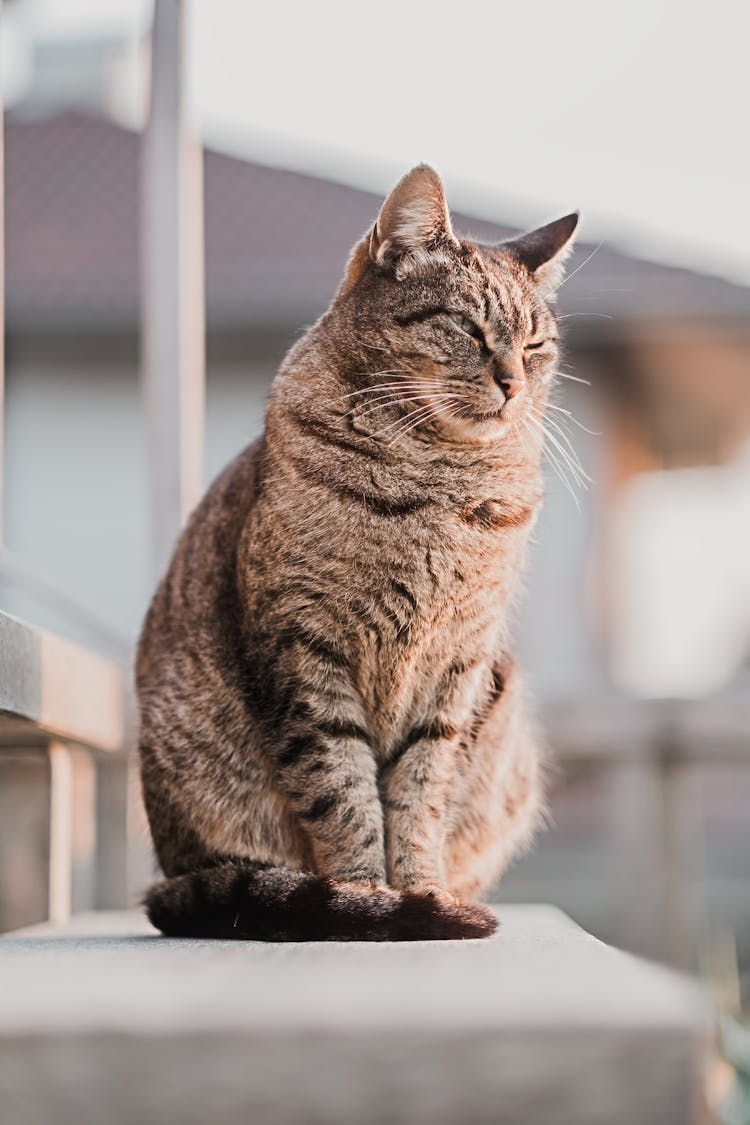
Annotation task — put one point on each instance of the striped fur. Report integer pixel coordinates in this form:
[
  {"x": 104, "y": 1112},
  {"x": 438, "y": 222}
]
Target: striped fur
[{"x": 333, "y": 741}]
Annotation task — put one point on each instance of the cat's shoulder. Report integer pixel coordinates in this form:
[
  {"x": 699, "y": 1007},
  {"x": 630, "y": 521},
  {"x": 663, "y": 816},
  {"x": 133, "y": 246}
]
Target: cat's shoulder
[{"x": 237, "y": 485}]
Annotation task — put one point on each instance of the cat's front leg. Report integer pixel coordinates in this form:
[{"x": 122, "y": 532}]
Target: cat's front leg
[
  {"x": 416, "y": 787},
  {"x": 326, "y": 770},
  {"x": 498, "y": 806}
]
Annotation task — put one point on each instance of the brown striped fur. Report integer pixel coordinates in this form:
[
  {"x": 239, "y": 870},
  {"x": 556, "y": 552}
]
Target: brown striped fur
[{"x": 334, "y": 742}]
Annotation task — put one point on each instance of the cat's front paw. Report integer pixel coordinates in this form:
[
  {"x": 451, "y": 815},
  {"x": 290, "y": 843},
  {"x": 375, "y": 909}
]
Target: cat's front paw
[
  {"x": 425, "y": 882},
  {"x": 445, "y": 916},
  {"x": 422, "y": 887}
]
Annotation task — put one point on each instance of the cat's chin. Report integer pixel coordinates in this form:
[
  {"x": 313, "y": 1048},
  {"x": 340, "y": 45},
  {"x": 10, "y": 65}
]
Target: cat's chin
[{"x": 477, "y": 429}]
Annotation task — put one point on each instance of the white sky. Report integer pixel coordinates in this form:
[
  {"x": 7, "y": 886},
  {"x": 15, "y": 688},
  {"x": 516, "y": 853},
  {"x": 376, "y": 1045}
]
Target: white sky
[{"x": 637, "y": 112}]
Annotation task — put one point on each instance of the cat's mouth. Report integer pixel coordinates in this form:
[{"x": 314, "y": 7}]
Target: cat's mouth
[
  {"x": 499, "y": 413},
  {"x": 507, "y": 410},
  {"x": 491, "y": 422}
]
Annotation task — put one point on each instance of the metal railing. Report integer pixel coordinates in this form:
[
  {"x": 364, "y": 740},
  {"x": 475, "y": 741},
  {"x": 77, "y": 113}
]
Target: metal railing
[
  {"x": 62, "y": 722},
  {"x": 651, "y": 752}
]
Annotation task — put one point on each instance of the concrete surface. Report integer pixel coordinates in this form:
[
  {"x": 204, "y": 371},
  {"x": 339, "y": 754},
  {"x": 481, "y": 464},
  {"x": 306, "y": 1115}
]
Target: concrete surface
[{"x": 104, "y": 1021}]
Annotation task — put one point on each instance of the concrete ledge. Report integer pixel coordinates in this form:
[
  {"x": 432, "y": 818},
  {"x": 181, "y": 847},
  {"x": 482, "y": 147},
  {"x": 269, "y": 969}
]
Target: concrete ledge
[{"x": 105, "y": 1021}]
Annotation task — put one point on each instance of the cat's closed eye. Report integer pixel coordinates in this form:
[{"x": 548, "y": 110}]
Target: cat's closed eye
[
  {"x": 531, "y": 347},
  {"x": 467, "y": 325}
]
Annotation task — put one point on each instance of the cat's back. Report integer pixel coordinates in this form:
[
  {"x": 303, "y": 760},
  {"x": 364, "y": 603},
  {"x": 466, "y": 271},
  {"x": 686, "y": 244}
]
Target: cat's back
[{"x": 196, "y": 600}]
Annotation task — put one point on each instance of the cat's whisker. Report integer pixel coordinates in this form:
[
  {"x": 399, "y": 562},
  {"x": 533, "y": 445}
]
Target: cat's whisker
[
  {"x": 440, "y": 401},
  {"x": 393, "y": 400},
  {"x": 570, "y": 471},
  {"x": 371, "y": 404},
  {"x": 386, "y": 400},
  {"x": 580, "y": 479},
  {"x": 396, "y": 392},
  {"x": 569, "y": 414},
  {"x": 397, "y": 372},
  {"x": 391, "y": 386},
  {"x": 576, "y": 474},
  {"x": 436, "y": 413},
  {"x": 555, "y": 423},
  {"x": 407, "y": 395},
  {"x": 575, "y": 378},
  {"x": 603, "y": 315},
  {"x": 398, "y": 421},
  {"x": 404, "y": 386},
  {"x": 556, "y": 467},
  {"x": 568, "y": 442},
  {"x": 375, "y": 347},
  {"x": 420, "y": 414},
  {"x": 402, "y": 433},
  {"x": 393, "y": 429},
  {"x": 516, "y": 426},
  {"x": 560, "y": 473},
  {"x": 585, "y": 262}
]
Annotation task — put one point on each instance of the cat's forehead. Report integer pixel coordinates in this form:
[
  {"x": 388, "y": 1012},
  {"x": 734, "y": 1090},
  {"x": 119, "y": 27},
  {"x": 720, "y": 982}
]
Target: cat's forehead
[{"x": 494, "y": 281}]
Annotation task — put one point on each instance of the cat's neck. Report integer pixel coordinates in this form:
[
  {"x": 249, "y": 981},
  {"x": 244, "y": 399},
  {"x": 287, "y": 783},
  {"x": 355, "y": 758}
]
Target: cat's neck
[{"x": 374, "y": 438}]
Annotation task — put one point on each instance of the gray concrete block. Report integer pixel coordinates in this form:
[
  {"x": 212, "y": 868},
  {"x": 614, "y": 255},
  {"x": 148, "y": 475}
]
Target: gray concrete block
[{"x": 105, "y": 1021}]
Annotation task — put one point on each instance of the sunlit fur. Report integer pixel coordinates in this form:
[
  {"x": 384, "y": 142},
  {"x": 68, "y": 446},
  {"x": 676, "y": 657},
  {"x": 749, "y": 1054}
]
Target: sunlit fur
[{"x": 334, "y": 741}]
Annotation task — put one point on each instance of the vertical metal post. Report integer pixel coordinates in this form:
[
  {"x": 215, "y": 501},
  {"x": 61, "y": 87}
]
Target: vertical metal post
[
  {"x": 2, "y": 301},
  {"x": 111, "y": 889},
  {"x": 680, "y": 827},
  {"x": 60, "y": 833},
  {"x": 172, "y": 314},
  {"x": 637, "y": 826}
]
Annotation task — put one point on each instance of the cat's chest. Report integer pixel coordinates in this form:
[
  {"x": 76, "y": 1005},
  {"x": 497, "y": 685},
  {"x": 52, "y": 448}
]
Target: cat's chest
[
  {"x": 438, "y": 606},
  {"x": 428, "y": 667},
  {"x": 435, "y": 571}
]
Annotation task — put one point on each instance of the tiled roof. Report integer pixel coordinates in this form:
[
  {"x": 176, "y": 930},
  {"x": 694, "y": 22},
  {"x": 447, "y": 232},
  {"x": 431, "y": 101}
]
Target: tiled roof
[{"x": 276, "y": 241}]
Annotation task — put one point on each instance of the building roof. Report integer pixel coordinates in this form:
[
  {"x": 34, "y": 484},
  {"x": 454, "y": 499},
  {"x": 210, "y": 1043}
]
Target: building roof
[{"x": 276, "y": 241}]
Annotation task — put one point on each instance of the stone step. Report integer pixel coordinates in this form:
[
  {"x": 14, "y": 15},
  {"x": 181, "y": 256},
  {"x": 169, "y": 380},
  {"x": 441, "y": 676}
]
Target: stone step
[{"x": 104, "y": 1021}]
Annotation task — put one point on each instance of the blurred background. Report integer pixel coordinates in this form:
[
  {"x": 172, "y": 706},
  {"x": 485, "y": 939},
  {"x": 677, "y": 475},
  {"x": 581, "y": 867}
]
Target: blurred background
[{"x": 635, "y": 625}]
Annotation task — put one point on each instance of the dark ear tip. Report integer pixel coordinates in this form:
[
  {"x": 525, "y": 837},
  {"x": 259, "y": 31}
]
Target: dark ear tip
[{"x": 571, "y": 221}]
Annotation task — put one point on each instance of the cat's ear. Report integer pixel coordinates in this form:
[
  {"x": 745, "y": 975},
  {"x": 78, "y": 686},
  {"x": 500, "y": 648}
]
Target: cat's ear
[
  {"x": 413, "y": 219},
  {"x": 545, "y": 250}
]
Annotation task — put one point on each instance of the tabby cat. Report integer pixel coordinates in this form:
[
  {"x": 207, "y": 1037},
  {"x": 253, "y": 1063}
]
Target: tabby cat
[{"x": 334, "y": 743}]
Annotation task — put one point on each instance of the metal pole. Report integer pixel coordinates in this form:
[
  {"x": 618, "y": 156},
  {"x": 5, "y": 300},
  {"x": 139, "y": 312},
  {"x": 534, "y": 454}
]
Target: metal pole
[
  {"x": 2, "y": 303},
  {"x": 111, "y": 878},
  {"x": 680, "y": 830},
  {"x": 60, "y": 833},
  {"x": 172, "y": 314}
]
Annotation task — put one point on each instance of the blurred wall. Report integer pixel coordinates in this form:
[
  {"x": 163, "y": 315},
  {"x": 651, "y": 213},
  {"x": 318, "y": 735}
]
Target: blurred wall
[{"x": 76, "y": 468}]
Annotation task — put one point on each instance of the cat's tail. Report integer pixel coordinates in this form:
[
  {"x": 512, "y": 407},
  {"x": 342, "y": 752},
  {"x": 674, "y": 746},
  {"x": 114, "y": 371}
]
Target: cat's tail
[{"x": 244, "y": 900}]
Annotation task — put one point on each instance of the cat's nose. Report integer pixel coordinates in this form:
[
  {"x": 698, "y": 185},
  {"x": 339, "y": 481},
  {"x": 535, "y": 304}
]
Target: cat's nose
[{"x": 509, "y": 379}]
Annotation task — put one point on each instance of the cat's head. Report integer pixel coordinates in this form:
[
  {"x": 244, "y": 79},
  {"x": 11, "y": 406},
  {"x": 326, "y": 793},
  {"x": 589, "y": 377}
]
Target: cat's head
[{"x": 458, "y": 337}]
